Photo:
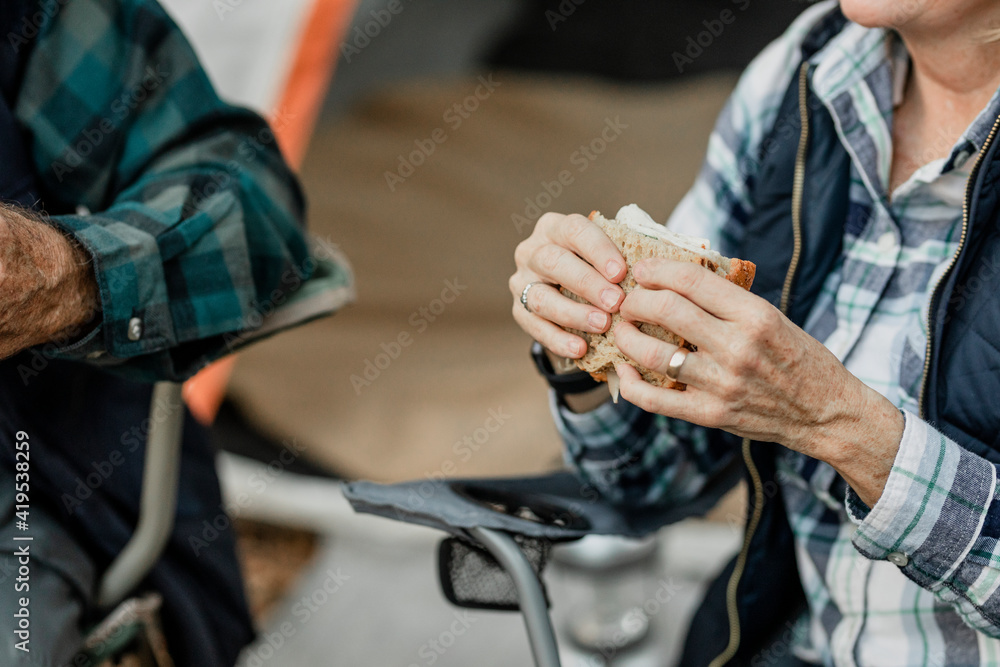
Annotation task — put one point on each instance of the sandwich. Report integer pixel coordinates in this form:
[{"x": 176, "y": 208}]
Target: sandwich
[{"x": 638, "y": 237}]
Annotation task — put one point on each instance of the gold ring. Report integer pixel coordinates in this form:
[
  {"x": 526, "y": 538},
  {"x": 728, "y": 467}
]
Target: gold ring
[{"x": 677, "y": 360}]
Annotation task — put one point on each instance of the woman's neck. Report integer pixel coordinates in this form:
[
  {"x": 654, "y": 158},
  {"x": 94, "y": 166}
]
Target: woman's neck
[
  {"x": 951, "y": 80},
  {"x": 954, "y": 72}
]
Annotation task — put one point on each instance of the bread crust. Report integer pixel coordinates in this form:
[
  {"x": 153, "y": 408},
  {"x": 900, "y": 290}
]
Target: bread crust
[{"x": 602, "y": 352}]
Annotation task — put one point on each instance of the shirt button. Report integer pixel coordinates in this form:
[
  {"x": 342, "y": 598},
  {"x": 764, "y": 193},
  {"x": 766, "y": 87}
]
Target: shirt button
[
  {"x": 887, "y": 242},
  {"x": 898, "y": 559},
  {"x": 134, "y": 329}
]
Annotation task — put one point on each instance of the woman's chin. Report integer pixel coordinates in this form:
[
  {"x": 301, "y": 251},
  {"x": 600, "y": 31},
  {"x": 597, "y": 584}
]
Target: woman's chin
[{"x": 880, "y": 13}]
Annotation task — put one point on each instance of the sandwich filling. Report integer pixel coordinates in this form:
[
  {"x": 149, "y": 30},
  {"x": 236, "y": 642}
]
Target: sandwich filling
[{"x": 639, "y": 221}]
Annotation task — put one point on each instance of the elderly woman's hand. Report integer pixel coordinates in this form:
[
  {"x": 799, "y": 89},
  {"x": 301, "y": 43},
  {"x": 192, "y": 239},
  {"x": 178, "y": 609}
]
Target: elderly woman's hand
[
  {"x": 755, "y": 374},
  {"x": 571, "y": 251}
]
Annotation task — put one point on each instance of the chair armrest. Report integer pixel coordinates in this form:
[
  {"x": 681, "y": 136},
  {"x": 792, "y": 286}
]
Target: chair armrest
[{"x": 558, "y": 507}]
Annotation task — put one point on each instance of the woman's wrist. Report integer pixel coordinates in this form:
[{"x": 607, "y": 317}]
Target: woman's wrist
[
  {"x": 863, "y": 447},
  {"x": 587, "y": 401},
  {"x": 583, "y": 401}
]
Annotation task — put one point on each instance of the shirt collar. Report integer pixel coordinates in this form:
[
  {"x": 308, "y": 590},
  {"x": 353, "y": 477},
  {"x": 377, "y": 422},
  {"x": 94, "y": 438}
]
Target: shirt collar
[{"x": 860, "y": 76}]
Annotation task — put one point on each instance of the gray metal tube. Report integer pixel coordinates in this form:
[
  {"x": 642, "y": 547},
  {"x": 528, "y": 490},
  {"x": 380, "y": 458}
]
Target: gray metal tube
[
  {"x": 158, "y": 504},
  {"x": 529, "y": 592}
]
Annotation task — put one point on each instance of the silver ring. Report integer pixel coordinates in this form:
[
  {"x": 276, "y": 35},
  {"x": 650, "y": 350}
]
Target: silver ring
[
  {"x": 677, "y": 360},
  {"x": 524, "y": 293}
]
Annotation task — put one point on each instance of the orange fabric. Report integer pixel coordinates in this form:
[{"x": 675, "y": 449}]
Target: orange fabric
[
  {"x": 310, "y": 76},
  {"x": 293, "y": 121}
]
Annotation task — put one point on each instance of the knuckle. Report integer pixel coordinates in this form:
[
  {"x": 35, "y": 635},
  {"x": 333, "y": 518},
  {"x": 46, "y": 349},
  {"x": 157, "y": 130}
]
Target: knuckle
[
  {"x": 549, "y": 258},
  {"x": 761, "y": 322},
  {"x": 512, "y": 285},
  {"x": 742, "y": 357},
  {"x": 587, "y": 280},
  {"x": 655, "y": 358},
  {"x": 666, "y": 307},
  {"x": 729, "y": 388},
  {"x": 713, "y": 414},
  {"x": 637, "y": 398},
  {"x": 549, "y": 220},
  {"x": 689, "y": 277},
  {"x": 522, "y": 253},
  {"x": 575, "y": 228},
  {"x": 538, "y": 300}
]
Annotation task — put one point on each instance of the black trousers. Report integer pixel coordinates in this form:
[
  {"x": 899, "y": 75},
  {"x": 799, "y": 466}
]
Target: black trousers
[{"x": 86, "y": 431}]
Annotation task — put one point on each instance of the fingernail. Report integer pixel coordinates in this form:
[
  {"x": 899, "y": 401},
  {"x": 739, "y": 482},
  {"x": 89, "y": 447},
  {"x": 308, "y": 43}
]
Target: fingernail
[
  {"x": 613, "y": 268},
  {"x": 598, "y": 320},
  {"x": 609, "y": 298},
  {"x": 578, "y": 347}
]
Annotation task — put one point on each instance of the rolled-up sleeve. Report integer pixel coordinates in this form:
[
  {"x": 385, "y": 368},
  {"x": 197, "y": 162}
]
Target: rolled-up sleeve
[
  {"x": 190, "y": 215},
  {"x": 938, "y": 520}
]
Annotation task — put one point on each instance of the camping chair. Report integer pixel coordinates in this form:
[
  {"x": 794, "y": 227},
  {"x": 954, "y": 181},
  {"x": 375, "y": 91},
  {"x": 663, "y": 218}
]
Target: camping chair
[
  {"x": 132, "y": 624},
  {"x": 284, "y": 77},
  {"x": 502, "y": 530}
]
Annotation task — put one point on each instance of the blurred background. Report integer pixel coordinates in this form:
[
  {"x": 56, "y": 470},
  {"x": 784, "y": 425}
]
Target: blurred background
[{"x": 430, "y": 135}]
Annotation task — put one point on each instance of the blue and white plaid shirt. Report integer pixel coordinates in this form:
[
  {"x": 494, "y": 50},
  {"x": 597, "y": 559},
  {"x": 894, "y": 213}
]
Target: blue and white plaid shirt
[{"x": 872, "y": 314}]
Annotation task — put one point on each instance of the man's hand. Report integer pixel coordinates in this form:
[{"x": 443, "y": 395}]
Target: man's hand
[
  {"x": 47, "y": 288},
  {"x": 755, "y": 374}
]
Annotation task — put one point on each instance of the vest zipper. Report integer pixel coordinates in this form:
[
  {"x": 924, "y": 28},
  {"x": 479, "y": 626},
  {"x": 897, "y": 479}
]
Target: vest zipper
[
  {"x": 966, "y": 203},
  {"x": 798, "y": 184}
]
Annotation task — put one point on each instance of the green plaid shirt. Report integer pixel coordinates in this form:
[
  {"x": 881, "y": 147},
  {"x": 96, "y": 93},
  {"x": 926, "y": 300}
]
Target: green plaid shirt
[{"x": 193, "y": 220}]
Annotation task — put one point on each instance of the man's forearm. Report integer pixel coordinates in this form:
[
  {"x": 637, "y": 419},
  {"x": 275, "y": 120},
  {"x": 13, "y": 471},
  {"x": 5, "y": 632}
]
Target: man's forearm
[{"x": 47, "y": 286}]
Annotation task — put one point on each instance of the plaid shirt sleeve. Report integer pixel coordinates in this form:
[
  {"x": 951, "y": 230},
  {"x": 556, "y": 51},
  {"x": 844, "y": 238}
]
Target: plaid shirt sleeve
[
  {"x": 938, "y": 520},
  {"x": 634, "y": 458},
  {"x": 196, "y": 220}
]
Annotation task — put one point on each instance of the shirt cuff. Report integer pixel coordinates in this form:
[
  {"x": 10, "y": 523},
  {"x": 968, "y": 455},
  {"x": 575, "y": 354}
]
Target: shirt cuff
[
  {"x": 135, "y": 310},
  {"x": 605, "y": 426},
  {"x": 932, "y": 509}
]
